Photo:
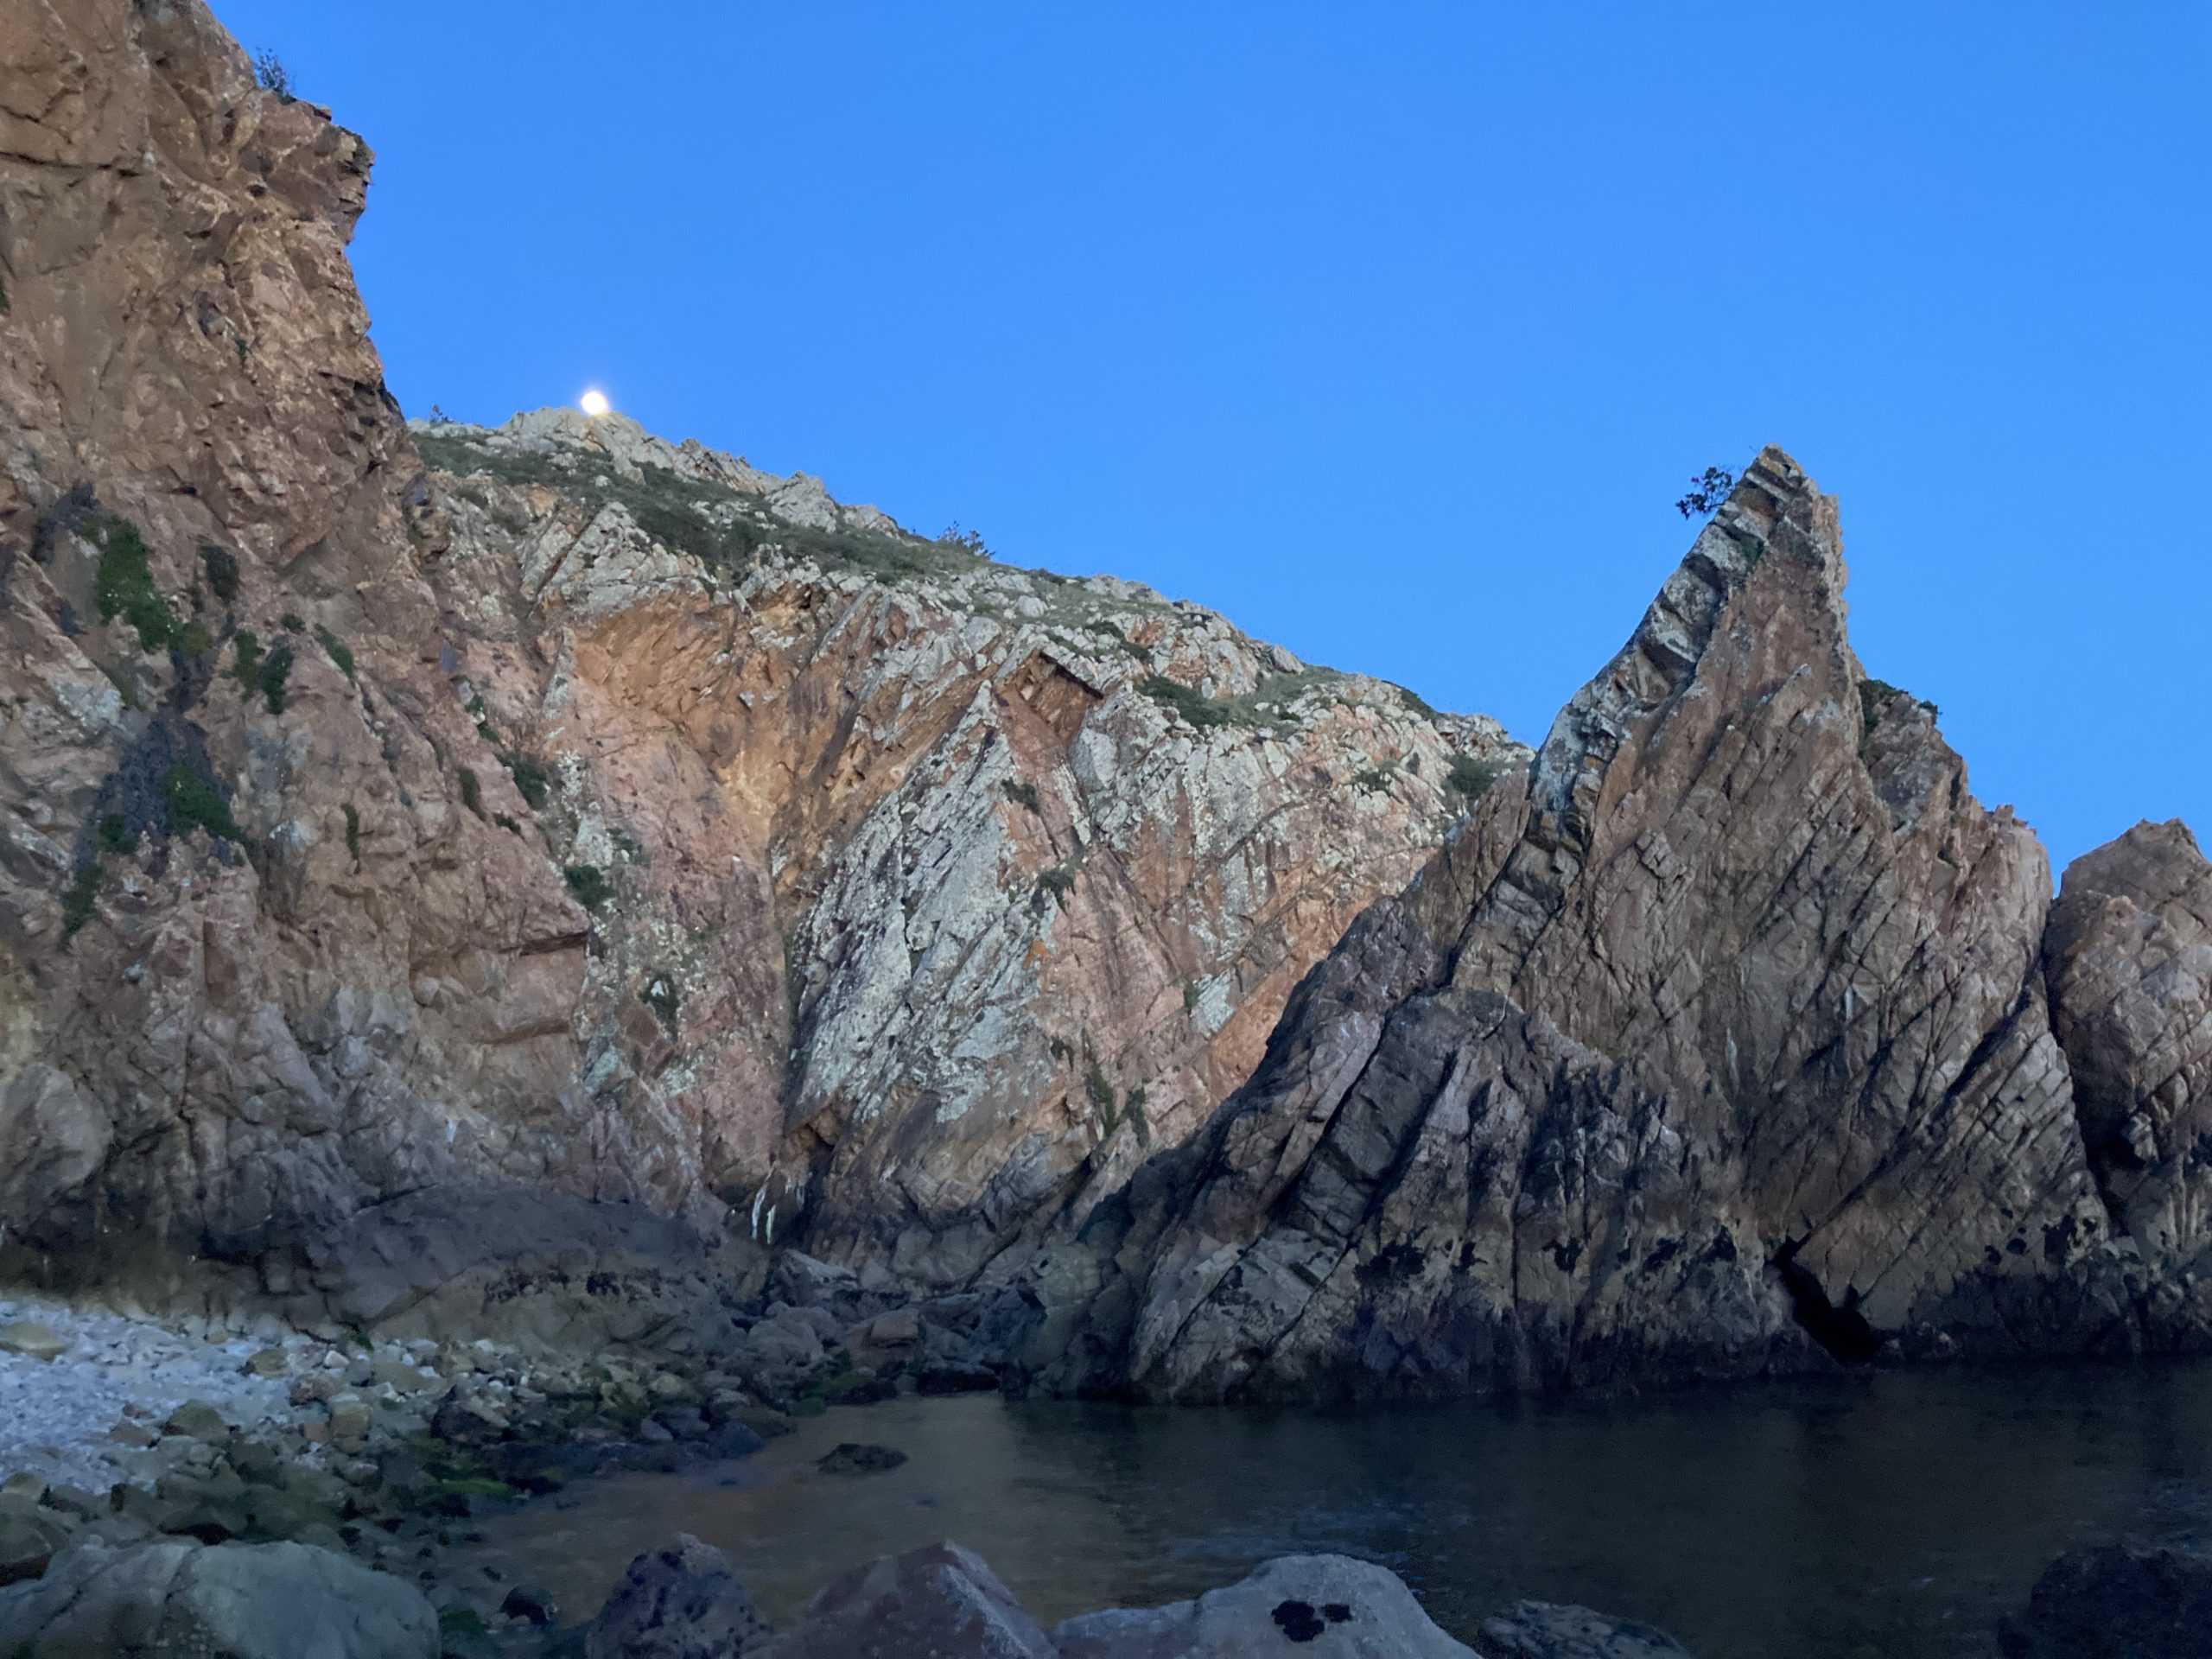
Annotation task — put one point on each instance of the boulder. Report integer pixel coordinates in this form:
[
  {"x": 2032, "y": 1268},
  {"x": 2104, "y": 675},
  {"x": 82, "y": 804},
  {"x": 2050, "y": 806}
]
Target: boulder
[
  {"x": 2128, "y": 960},
  {"x": 1328, "y": 1607},
  {"x": 680, "y": 1602},
  {"x": 1550, "y": 1629},
  {"x": 31, "y": 1339},
  {"x": 28, "y": 1539},
  {"x": 940, "y": 1601},
  {"x": 243, "y": 1601},
  {"x": 2116, "y": 1602}
]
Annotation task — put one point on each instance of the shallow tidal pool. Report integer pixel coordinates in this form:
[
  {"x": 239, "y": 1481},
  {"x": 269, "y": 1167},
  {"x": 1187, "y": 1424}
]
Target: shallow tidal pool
[{"x": 1894, "y": 1515}]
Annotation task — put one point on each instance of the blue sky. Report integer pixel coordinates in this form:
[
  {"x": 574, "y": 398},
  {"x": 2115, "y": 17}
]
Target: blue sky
[{"x": 1392, "y": 332}]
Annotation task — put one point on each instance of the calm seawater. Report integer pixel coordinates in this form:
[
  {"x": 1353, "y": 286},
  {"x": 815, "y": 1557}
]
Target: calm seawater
[{"x": 1894, "y": 1515}]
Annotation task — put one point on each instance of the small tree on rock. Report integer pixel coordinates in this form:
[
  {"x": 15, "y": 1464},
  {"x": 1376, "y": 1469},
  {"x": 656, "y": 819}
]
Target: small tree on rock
[
  {"x": 270, "y": 74},
  {"x": 1708, "y": 491}
]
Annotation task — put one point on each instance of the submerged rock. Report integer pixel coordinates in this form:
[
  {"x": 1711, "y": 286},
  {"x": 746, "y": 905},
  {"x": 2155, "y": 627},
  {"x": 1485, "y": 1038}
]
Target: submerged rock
[
  {"x": 1330, "y": 1607},
  {"x": 681, "y": 1602},
  {"x": 853, "y": 1457},
  {"x": 243, "y": 1601},
  {"x": 1547, "y": 1630},
  {"x": 2116, "y": 1602}
]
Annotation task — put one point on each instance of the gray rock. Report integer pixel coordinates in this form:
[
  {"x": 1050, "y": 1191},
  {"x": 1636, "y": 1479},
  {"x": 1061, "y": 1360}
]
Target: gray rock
[
  {"x": 243, "y": 1601},
  {"x": 199, "y": 1420},
  {"x": 2116, "y": 1602},
  {"x": 1328, "y": 1607},
  {"x": 1550, "y": 1629},
  {"x": 681, "y": 1602},
  {"x": 940, "y": 1601},
  {"x": 28, "y": 1539},
  {"x": 31, "y": 1339},
  {"x": 853, "y": 1457}
]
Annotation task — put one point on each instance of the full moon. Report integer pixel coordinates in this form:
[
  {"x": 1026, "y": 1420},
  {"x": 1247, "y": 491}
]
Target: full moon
[{"x": 593, "y": 402}]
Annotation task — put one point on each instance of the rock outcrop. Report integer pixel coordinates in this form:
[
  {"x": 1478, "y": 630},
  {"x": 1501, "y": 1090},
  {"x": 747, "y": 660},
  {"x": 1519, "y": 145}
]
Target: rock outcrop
[
  {"x": 245, "y": 1601},
  {"x": 579, "y": 813},
  {"x": 2128, "y": 959},
  {"x": 1719, "y": 1043},
  {"x": 931, "y": 894}
]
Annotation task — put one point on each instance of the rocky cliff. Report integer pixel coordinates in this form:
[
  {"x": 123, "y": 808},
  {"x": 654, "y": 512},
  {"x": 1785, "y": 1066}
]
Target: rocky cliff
[
  {"x": 930, "y": 894},
  {"x": 1718, "y": 1043},
  {"x": 557, "y": 809}
]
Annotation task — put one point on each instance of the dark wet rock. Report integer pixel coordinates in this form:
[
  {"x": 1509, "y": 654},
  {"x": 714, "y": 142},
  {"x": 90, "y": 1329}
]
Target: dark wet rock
[
  {"x": 535, "y": 1267},
  {"x": 957, "y": 1379},
  {"x": 941, "y": 1601},
  {"x": 1549, "y": 1630},
  {"x": 243, "y": 1601},
  {"x": 861, "y": 1388},
  {"x": 531, "y": 1602},
  {"x": 732, "y": 1439},
  {"x": 1330, "y": 1607},
  {"x": 853, "y": 1457},
  {"x": 681, "y": 1602},
  {"x": 2116, "y": 1602}
]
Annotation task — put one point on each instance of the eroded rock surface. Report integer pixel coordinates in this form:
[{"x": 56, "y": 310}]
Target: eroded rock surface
[
  {"x": 2129, "y": 962},
  {"x": 580, "y": 812},
  {"x": 1720, "y": 1043}
]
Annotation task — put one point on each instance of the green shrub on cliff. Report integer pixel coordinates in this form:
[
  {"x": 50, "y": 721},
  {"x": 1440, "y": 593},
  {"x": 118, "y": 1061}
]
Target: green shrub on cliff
[{"x": 124, "y": 586}]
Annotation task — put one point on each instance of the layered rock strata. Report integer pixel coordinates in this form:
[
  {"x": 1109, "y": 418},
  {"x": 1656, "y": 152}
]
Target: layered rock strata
[
  {"x": 1722, "y": 1042},
  {"x": 578, "y": 813}
]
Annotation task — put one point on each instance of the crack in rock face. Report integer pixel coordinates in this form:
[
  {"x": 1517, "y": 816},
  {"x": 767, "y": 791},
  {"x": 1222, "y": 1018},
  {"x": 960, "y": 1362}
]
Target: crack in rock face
[{"x": 1719, "y": 1047}]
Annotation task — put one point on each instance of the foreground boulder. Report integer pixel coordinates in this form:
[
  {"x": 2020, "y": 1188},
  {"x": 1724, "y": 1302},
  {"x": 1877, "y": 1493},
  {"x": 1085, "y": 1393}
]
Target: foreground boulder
[
  {"x": 940, "y": 1601},
  {"x": 242, "y": 1601},
  {"x": 1329, "y": 1606},
  {"x": 1566, "y": 1111},
  {"x": 1548, "y": 1630},
  {"x": 678, "y": 1603},
  {"x": 2116, "y": 1602}
]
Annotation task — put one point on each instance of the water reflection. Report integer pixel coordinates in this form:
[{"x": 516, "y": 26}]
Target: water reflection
[{"x": 1895, "y": 1514}]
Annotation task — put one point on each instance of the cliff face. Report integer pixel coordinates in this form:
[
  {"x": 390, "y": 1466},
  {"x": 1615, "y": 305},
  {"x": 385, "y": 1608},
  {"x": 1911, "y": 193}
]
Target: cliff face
[
  {"x": 1725, "y": 1037},
  {"x": 206, "y": 1018},
  {"x": 936, "y": 893},
  {"x": 580, "y": 813}
]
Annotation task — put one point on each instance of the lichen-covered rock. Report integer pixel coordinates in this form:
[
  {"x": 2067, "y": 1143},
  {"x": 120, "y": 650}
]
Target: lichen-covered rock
[
  {"x": 1721, "y": 1042},
  {"x": 1328, "y": 1607},
  {"x": 245, "y": 1601},
  {"x": 2128, "y": 958}
]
